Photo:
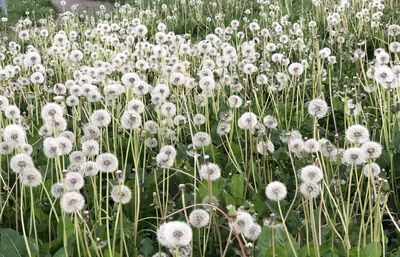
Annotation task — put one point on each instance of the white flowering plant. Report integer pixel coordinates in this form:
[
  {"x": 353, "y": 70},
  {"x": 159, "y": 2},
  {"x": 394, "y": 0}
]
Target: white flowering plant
[{"x": 202, "y": 128}]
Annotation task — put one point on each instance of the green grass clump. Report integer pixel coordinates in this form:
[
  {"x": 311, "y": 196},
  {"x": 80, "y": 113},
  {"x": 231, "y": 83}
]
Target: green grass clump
[{"x": 35, "y": 9}]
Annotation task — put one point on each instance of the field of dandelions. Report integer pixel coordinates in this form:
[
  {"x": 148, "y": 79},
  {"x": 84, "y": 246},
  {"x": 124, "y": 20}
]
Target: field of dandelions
[{"x": 202, "y": 128}]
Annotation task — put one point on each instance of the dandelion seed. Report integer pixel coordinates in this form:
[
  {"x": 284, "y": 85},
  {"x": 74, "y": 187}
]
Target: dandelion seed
[
  {"x": 57, "y": 190},
  {"x": 21, "y": 162},
  {"x": 371, "y": 169},
  {"x": 252, "y": 232},
  {"x": 311, "y": 145},
  {"x": 72, "y": 202},
  {"x": 77, "y": 157},
  {"x": 174, "y": 234},
  {"x": 248, "y": 120},
  {"x": 372, "y": 150},
  {"x": 73, "y": 181},
  {"x": 354, "y": 156},
  {"x": 201, "y": 139},
  {"x": 210, "y": 171},
  {"x": 243, "y": 221},
  {"x": 263, "y": 147},
  {"x": 296, "y": 69},
  {"x": 100, "y": 118},
  {"x": 276, "y": 191},
  {"x": 357, "y": 134},
  {"x": 121, "y": 194},
  {"x": 199, "y": 218},
  {"x": 270, "y": 122},
  {"x": 31, "y": 177},
  {"x": 89, "y": 169},
  {"x": 14, "y": 134},
  {"x": 318, "y": 108},
  {"x": 310, "y": 190},
  {"x": 107, "y": 162},
  {"x": 311, "y": 174}
]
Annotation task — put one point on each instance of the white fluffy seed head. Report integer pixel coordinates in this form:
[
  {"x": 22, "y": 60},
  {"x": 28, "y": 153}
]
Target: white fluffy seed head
[
  {"x": 12, "y": 112},
  {"x": 243, "y": 220},
  {"x": 357, "y": 134},
  {"x": 311, "y": 174},
  {"x": 166, "y": 157},
  {"x": 310, "y": 190},
  {"x": 100, "y": 118},
  {"x": 6, "y": 148},
  {"x": 121, "y": 194},
  {"x": 107, "y": 162},
  {"x": 64, "y": 145},
  {"x": 371, "y": 169},
  {"x": 72, "y": 202},
  {"x": 51, "y": 147},
  {"x": 73, "y": 181},
  {"x": 201, "y": 139},
  {"x": 57, "y": 190},
  {"x": 371, "y": 149},
  {"x": 21, "y": 162},
  {"x": 90, "y": 148},
  {"x": 248, "y": 120},
  {"x": 89, "y": 169},
  {"x": 354, "y": 156},
  {"x": 270, "y": 122},
  {"x": 318, "y": 108},
  {"x": 276, "y": 191},
  {"x": 252, "y": 232},
  {"x": 265, "y": 147},
  {"x": 174, "y": 234},
  {"x": 14, "y": 134},
  {"x": 199, "y": 218},
  {"x": 296, "y": 145},
  {"x": 295, "y": 69},
  {"x": 77, "y": 157},
  {"x": 31, "y": 177},
  {"x": 210, "y": 171},
  {"x": 131, "y": 120},
  {"x": 51, "y": 111},
  {"x": 311, "y": 145}
]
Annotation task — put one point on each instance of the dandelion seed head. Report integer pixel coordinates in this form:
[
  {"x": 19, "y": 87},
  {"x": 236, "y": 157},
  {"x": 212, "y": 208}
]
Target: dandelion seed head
[
  {"x": 309, "y": 190},
  {"x": 210, "y": 171},
  {"x": 199, "y": 218},
  {"x": 121, "y": 194},
  {"x": 31, "y": 177},
  {"x": 276, "y": 191},
  {"x": 174, "y": 234},
  {"x": 72, "y": 202},
  {"x": 107, "y": 162},
  {"x": 357, "y": 134},
  {"x": 311, "y": 174}
]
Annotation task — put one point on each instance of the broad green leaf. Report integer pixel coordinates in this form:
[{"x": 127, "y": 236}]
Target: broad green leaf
[
  {"x": 12, "y": 244},
  {"x": 236, "y": 185},
  {"x": 373, "y": 249},
  {"x": 146, "y": 247}
]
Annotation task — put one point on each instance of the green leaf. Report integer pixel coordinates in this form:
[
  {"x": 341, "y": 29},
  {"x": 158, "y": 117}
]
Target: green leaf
[
  {"x": 228, "y": 198},
  {"x": 237, "y": 183},
  {"x": 264, "y": 242},
  {"x": 373, "y": 249},
  {"x": 146, "y": 247},
  {"x": 12, "y": 244},
  {"x": 60, "y": 253}
]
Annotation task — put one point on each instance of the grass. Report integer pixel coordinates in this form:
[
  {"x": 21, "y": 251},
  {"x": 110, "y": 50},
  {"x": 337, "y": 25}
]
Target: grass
[{"x": 37, "y": 9}]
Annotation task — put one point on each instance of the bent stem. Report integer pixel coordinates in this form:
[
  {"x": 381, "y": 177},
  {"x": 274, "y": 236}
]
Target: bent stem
[{"x": 286, "y": 230}]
